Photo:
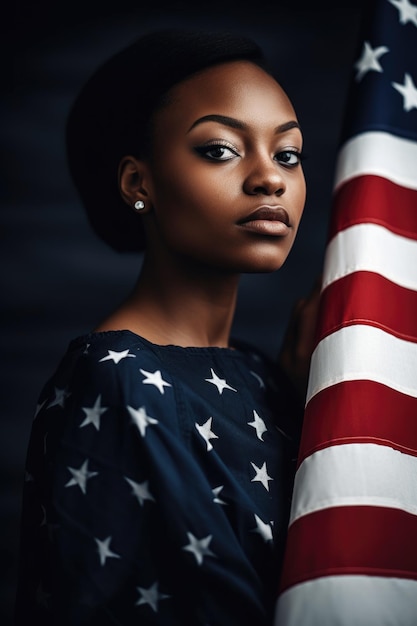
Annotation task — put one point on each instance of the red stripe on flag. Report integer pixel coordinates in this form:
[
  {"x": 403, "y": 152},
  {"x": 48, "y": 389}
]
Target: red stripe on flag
[
  {"x": 368, "y": 298},
  {"x": 359, "y": 411},
  {"x": 380, "y": 543},
  {"x": 376, "y": 200}
]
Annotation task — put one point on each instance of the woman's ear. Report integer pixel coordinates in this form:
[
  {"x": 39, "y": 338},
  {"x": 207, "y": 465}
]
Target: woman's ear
[{"x": 133, "y": 177}]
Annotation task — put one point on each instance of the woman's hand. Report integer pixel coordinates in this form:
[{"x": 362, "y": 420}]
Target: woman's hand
[{"x": 298, "y": 343}]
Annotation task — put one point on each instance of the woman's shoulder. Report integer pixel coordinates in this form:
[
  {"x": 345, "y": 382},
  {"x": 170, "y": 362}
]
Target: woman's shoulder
[
  {"x": 107, "y": 364},
  {"x": 113, "y": 346},
  {"x": 116, "y": 351},
  {"x": 127, "y": 370}
]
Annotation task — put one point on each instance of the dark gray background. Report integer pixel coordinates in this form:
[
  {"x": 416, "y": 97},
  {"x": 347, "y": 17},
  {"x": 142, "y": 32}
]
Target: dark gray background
[{"x": 57, "y": 279}]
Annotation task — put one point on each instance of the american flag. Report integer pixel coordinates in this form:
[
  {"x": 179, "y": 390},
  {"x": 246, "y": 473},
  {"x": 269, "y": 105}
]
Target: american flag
[{"x": 351, "y": 556}]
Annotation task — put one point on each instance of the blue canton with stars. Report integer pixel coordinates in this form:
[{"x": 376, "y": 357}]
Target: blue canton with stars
[
  {"x": 157, "y": 487},
  {"x": 383, "y": 93}
]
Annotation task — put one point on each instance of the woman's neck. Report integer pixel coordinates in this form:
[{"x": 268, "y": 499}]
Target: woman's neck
[{"x": 180, "y": 304}]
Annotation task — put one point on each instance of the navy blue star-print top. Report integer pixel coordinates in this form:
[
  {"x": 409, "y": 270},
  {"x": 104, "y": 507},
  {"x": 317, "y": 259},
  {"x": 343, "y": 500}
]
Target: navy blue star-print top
[{"x": 157, "y": 487}]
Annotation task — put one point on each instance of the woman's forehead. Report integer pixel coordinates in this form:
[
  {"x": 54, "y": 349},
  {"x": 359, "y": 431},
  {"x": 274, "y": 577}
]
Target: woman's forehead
[
  {"x": 226, "y": 78},
  {"x": 237, "y": 89}
]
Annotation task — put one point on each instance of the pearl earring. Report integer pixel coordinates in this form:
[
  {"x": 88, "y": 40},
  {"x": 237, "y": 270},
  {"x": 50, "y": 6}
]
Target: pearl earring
[{"x": 139, "y": 205}]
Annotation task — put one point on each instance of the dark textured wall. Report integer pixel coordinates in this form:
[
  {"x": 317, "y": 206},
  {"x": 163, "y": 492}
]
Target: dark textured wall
[{"x": 57, "y": 279}]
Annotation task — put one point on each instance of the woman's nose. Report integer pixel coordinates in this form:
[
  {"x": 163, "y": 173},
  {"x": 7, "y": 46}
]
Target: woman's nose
[{"x": 264, "y": 178}]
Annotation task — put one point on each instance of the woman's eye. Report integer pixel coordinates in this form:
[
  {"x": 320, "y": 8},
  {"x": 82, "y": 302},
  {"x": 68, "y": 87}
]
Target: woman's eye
[
  {"x": 216, "y": 152},
  {"x": 290, "y": 158}
]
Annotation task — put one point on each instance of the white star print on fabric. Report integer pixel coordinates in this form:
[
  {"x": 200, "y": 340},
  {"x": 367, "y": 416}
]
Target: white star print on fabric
[
  {"x": 80, "y": 476},
  {"x": 206, "y": 432},
  {"x": 407, "y": 11},
  {"x": 93, "y": 414},
  {"x": 220, "y": 383},
  {"x": 408, "y": 91},
  {"x": 150, "y": 596},
  {"x": 259, "y": 425},
  {"x": 199, "y": 547},
  {"x": 140, "y": 490},
  {"x": 132, "y": 489},
  {"x": 60, "y": 396},
  {"x": 116, "y": 357},
  {"x": 155, "y": 378},
  {"x": 216, "y": 491},
  {"x": 141, "y": 419},
  {"x": 369, "y": 60},
  {"x": 261, "y": 475},
  {"x": 104, "y": 550},
  {"x": 264, "y": 530}
]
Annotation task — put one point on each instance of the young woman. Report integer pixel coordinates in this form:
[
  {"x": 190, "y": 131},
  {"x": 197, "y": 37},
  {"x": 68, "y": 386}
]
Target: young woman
[{"x": 160, "y": 463}]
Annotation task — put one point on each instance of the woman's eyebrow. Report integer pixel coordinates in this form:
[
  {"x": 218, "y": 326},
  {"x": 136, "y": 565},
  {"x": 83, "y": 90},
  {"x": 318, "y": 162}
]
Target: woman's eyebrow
[
  {"x": 221, "y": 119},
  {"x": 234, "y": 123},
  {"x": 287, "y": 126}
]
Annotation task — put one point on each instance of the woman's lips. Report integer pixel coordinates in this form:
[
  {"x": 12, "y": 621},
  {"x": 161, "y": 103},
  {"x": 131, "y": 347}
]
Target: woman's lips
[{"x": 267, "y": 220}]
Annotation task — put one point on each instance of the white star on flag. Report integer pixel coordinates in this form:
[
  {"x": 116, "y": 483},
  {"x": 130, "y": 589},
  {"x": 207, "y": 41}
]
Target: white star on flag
[
  {"x": 60, "y": 396},
  {"x": 261, "y": 475},
  {"x": 141, "y": 419},
  {"x": 220, "y": 383},
  {"x": 206, "y": 432},
  {"x": 104, "y": 550},
  {"x": 369, "y": 60},
  {"x": 80, "y": 476},
  {"x": 150, "y": 596},
  {"x": 408, "y": 91},
  {"x": 199, "y": 547},
  {"x": 264, "y": 530},
  {"x": 140, "y": 490},
  {"x": 407, "y": 11},
  {"x": 155, "y": 378},
  {"x": 93, "y": 414},
  {"x": 259, "y": 425},
  {"x": 116, "y": 357},
  {"x": 216, "y": 491}
]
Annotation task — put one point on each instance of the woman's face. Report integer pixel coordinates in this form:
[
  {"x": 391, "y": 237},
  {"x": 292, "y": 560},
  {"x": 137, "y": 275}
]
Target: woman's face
[{"x": 227, "y": 186}]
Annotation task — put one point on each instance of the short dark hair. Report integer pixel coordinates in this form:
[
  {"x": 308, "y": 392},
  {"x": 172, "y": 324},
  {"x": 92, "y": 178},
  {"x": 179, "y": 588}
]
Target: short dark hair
[{"x": 110, "y": 117}]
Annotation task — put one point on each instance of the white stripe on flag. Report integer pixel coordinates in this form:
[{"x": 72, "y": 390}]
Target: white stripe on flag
[
  {"x": 347, "y": 600},
  {"x": 380, "y": 154},
  {"x": 363, "y": 352},
  {"x": 371, "y": 248},
  {"x": 356, "y": 474}
]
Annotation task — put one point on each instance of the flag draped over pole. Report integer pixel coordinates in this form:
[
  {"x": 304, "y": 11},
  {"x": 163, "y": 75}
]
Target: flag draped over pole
[{"x": 351, "y": 557}]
